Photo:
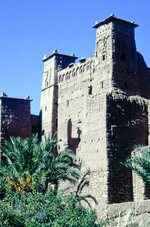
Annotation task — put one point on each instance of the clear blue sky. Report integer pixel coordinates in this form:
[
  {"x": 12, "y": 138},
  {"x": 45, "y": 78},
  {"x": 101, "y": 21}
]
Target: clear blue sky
[{"x": 31, "y": 29}]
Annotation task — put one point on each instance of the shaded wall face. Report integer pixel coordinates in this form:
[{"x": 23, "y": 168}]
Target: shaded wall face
[
  {"x": 36, "y": 128},
  {"x": 127, "y": 125},
  {"x": 15, "y": 118},
  {"x": 125, "y": 65},
  {"x": 145, "y": 84}
]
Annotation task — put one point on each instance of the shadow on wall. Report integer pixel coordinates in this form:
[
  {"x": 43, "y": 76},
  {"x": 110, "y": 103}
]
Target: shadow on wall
[
  {"x": 81, "y": 197},
  {"x": 72, "y": 142}
]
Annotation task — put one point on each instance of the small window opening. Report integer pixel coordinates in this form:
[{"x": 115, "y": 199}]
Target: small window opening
[
  {"x": 123, "y": 56},
  {"x": 103, "y": 57},
  {"x": 102, "y": 84},
  {"x": 67, "y": 102},
  {"x": 45, "y": 108},
  {"x": 90, "y": 90}
]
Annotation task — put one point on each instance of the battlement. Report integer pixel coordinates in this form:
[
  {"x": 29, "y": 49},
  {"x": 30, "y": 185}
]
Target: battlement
[{"x": 77, "y": 69}]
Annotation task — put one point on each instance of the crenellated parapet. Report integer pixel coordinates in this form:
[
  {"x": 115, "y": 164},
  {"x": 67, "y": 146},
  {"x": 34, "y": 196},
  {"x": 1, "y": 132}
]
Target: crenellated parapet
[{"x": 85, "y": 65}]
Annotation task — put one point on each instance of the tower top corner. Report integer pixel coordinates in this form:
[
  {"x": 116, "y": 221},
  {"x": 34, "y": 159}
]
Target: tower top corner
[
  {"x": 113, "y": 18},
  {"x": 56, "y": 53}
]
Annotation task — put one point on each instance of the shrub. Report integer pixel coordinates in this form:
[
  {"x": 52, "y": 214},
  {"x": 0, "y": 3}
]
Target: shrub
[{"x": 37, "y": 209}]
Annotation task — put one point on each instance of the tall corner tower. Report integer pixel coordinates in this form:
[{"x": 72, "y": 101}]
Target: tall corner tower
[
  {"x": 115, "y": 44},
  {"x": 49, "y": 92},
  {"x": 116, "y": 51}
]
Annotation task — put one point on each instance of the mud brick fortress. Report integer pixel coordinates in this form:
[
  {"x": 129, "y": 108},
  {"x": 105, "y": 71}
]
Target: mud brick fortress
[{"x": 100, "y": 108}]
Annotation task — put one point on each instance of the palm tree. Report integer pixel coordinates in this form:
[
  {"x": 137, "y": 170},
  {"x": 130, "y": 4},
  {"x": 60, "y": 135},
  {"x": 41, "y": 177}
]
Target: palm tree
[
  {"x": 29, "y": 165},
  {"x": 56, "y": 167},
  {"x": 140, "y": 163},
  {"x": 18, "y": 162}
]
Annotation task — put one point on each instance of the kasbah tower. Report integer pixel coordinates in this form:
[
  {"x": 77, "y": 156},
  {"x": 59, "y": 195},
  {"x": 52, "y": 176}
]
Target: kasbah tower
[{"x": 100, "y": 109}]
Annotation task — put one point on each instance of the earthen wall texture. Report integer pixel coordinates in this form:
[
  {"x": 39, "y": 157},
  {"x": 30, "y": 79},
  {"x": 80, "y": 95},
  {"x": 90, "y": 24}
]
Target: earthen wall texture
[
  {"x": 82, "y": 120},
  {"x": 15, "y": 118},
  {"x": 127, "y": 126}
]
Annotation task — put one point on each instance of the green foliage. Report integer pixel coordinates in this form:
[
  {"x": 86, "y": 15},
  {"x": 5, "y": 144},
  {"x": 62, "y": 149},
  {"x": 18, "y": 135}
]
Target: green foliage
[
  {"x": 38, "y": 209},
  {"x": 27, "y": 170},
  {"x": 140, "y": 163},
  {"x": 29, "y": 165}
]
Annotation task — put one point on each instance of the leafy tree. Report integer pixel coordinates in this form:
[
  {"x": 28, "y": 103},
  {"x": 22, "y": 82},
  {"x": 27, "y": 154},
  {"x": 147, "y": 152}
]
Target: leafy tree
[
  {"x": 140, "y": 163},
  {"x": 29, "y": 165}
]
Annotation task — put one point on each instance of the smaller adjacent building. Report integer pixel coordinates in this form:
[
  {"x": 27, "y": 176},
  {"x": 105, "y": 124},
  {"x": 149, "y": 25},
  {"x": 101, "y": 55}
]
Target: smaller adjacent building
[{"x": 16, "y": 119}]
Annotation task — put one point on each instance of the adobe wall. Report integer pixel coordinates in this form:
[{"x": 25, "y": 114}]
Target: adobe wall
[
  {"x": 127, "y": 125},
  {"x": 15, "y": 118},
  {"x": 122, "y": 213},
  {"x": 131, "y": 82},
  {"x": 88, "y": 112},
  {"x": 103, "y": 129},
  {"x": 82, "y": 91}
]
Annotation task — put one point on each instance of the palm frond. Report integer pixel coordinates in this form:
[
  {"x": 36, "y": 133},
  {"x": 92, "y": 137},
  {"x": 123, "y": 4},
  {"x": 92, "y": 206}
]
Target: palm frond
[{"x": 140, "y": 163}]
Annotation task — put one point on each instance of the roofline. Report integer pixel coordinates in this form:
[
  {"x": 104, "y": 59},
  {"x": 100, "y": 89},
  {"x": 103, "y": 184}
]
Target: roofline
[
  {"x": 56, "y": 53},
  {"x": 6, "y": 97},
  {"x": 112, "y": 17}
]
